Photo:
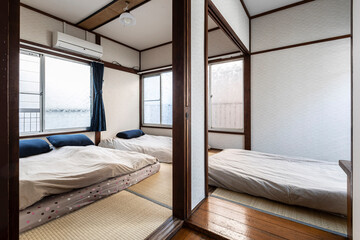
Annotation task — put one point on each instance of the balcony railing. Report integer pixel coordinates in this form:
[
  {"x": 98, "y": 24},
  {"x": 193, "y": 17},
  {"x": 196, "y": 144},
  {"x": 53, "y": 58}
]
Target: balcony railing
[
  {"x": 29, "y": 120},
  {"x": 227, "y": 115}
]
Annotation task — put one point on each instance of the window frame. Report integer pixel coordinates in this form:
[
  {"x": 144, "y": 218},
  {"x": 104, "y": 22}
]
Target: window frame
[
  {"x": 165, "y": 126},
  {"x": 43, "y": 131},
  {"x": 224, "y": 130}
]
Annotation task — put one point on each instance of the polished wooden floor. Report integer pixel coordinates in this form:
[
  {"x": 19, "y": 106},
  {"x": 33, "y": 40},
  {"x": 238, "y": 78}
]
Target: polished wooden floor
[{"x": 220, "y": 219}]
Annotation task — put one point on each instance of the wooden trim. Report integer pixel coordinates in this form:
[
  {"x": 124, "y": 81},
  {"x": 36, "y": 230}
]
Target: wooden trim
[
  {"x": 247, "y": 101},
  {"x": 120, "y": 43},
  {"x": 206, "y": 232},
  {"x": 219, "y": 60},
  {"x": 140, "y": 101},
  {"x": 170, "y": 42},
  {"x": 225, "y": 54},
  {"x": 52, "y": 134},
  {"x": 74, "y": 25},
  {"x": 213, "y": 29},
  {"x": 181, "y": 54},
  {"x": 303, "y": 44},
  {"x": 206, "y": 99},
  {"x": 167, "y": 230},
  {"x": 156, "y": 69},
  {"x": 245, "y": 9},
  {"x": 281, "y": 8},
  {"x": 226, "y": 132},
  {"x": 157, "y": 46},
  {"x": 220, "y": 20},
  {"x": 54, "y": 51},
  {"x": 97, "y": 138},
  {"x": 159, "y": 127},
  {"x": 9, "y": 118},
  {"x": 119, "y": 67},
  {"x": 70, "y": 55}
]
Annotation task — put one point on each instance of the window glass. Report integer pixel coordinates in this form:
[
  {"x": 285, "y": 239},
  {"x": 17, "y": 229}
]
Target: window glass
[
  {"x": 157, "y": 99},
  {"x": 226, "y": 96},
  {"x": 166, "y": 98},
  {"x": 54, "y": 93},
  {"x": 67, "y": 94},
  {"x": 30, "y": 93}
]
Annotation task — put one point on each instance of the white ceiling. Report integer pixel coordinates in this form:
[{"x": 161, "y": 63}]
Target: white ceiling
[
  {"x": 259, "y": 6},
  {"x": 154, "y": 19},
  {"x": 153, "y": 26},
  {"x": 70, "y": 10}
]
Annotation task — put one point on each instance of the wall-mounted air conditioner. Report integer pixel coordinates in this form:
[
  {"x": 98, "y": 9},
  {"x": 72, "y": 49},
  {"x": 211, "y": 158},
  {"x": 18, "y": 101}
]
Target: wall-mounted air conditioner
[{"x": 74, "y": 44}]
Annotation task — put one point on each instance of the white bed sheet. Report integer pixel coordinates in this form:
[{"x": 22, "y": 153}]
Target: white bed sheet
[
  {"x": 68, "y": 168},
  {"x": 157, "y": 146},
  {"x": 305, "y": 182}
]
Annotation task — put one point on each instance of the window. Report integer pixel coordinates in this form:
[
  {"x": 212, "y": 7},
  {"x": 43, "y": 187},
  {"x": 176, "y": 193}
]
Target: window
[
  {"x": 55, "y": 94},
  {"x": 226, "y": 90},
  {"x": 157, "y": 99}
]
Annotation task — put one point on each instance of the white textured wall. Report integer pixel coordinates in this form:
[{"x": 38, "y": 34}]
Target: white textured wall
[
  {"x": 301, "y": 101},
  {"x": 156, "y": 57},
  {"x": 38, "y": 28},
  {"x": 219, "y": 43},
  {"x": 121, "y": 101},
  {"x": 223, "y": 141},
  {"x": 197, "y": 102},
  {"x": 115, "y": 52},
  {"x": 356, "y": 119},
  {"x": 157, "y": 131},
  {"x": 307, "y": 22},
  {"x": 235, "y": 15}
]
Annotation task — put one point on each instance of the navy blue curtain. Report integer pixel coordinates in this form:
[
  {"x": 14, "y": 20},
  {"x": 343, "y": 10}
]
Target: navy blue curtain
[{"x": 98, "y": 121}]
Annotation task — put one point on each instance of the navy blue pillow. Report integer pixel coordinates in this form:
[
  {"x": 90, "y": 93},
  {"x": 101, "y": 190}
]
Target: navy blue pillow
[
  {"x": 69, "y": 140},
  {"x": 33, "y": 147},
  {"x": 130, "y": 134}
]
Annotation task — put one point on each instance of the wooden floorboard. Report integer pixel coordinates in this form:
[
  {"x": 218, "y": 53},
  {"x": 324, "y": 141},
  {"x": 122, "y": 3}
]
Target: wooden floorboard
[
  {"x": 187, "y": 234},
  {"x": 234, "y": 221}
]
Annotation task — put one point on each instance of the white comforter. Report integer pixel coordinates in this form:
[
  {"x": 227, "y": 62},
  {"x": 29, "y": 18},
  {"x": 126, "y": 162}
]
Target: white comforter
[
  {"x": 157, "y": 146},
  {"x": 68, "y": 168},
  {"x": 304, "y": 182}
]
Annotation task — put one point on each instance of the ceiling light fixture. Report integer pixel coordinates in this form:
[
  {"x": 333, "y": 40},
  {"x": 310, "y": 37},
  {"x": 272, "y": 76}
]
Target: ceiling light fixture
[{"x": 126, "y": 18}]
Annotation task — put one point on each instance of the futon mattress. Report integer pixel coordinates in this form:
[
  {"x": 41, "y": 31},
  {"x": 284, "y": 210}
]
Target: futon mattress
[
  {"x": 297, "y": 181},
  {"x": 68, "y": 168},
  {"x": 55, "y": 206},
  {"x": 157, "y": 146}
]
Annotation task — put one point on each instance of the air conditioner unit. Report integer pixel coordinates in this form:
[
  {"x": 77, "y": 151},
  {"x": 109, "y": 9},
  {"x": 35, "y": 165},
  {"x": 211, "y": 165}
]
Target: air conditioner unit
[{"x": 74, "y": 44}]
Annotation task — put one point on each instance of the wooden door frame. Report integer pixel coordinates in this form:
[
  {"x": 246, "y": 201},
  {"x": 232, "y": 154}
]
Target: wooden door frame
[{"x": 9, "y": 118}]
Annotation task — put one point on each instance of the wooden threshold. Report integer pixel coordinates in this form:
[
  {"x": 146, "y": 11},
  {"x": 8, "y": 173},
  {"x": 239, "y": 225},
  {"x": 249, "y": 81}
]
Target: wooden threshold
[{"x": 222, "y": 219}]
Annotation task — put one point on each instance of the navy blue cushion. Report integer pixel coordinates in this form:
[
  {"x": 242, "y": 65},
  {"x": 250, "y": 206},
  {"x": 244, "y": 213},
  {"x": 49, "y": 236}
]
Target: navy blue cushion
[
  {"x": 69, "y": 140},
  {"x": 33, "y": 147},
  {"x": 130, "y": 134}
]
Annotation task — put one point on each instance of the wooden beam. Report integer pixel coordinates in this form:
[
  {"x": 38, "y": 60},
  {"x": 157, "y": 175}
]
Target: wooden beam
[{"x": 109, "y": 13}]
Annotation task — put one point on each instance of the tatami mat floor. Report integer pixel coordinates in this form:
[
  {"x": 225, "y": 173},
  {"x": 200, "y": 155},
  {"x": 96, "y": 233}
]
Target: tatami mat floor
[
  {"x": 158, "y": 187},
  {"x": 121, "y": 216},
  {"x": 318, "y": 219}
]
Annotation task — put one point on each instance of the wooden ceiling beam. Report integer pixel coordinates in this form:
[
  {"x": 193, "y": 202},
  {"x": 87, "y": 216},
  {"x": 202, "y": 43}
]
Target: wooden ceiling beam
[{"x": 108, "y": 13}]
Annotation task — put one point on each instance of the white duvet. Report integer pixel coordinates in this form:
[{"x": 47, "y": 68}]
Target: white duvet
[
  {"x": 297, "y": 181},
  {"x": 157, "y": 146},
  {"x": 67, "y": 168}
]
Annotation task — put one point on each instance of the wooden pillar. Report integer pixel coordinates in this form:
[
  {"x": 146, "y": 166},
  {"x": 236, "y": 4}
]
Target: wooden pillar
[
  {"x": 181, "y": 109},
  {"x": 9, "y": 118}
]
